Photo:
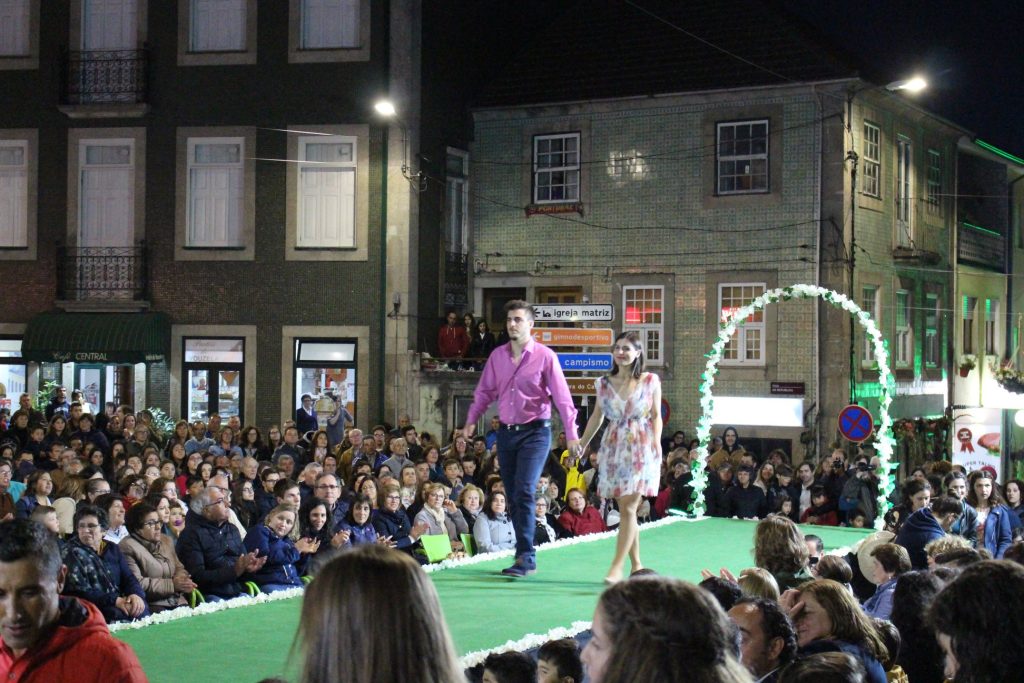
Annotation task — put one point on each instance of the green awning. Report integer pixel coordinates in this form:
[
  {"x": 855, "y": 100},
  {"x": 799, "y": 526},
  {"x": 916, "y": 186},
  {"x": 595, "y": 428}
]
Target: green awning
[{"x": 97, "y": 338}]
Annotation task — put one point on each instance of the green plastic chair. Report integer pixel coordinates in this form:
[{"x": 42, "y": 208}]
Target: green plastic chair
[
  {"x": 195, "y": 598},
  {"x": 251, "y": 588},
  {"x": 436, "y": 546},
  {"x": 468, "y": 544},
  {"x": 306, "y": 580}
]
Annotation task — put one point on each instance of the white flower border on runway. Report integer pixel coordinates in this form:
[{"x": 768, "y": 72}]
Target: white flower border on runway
[
  {"x": 246, "y": 601},
  {"x": 884, "y": 441}
]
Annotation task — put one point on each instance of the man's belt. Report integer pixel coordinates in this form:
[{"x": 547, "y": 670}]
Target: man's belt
[{"x": 526, "y": 426}]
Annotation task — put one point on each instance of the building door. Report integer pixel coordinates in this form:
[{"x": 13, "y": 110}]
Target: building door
[
  {"x": 494, "y": 305},
  {"x": 109, "y": 24},
  {"x": 104, "y": 263}
]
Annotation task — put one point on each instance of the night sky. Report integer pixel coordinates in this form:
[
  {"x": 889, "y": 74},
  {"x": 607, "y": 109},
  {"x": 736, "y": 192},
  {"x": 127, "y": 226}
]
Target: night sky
[{"x": 971, "y": 54}]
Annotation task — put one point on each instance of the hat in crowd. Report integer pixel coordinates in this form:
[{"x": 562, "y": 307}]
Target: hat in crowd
[
  {"x": 866, "y": 547},
  {"x": 992, "y": 474}
]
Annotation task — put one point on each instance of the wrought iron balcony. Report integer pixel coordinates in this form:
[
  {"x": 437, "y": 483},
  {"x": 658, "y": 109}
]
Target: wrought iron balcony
[
  {"x": 102, "y": 273},
  {"x": 978, "y": 246},
  {"x": 104, "y": 77}
]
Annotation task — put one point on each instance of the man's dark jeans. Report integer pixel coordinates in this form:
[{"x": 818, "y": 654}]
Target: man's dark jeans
[{"x": 521, "y": 457}]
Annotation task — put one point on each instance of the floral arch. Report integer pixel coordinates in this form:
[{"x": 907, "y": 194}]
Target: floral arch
[{"x": 884, "y": 441}]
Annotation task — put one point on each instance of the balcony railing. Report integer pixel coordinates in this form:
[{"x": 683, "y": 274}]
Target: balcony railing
[
  {"x": 102, "y": 273},
  {"x": 981, "y": 247},
  {"x": 104, "y": 77}
]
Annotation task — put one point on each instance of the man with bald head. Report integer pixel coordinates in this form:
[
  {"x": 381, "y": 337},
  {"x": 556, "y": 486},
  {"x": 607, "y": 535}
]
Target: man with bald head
[{"x": 355, "y": 437}]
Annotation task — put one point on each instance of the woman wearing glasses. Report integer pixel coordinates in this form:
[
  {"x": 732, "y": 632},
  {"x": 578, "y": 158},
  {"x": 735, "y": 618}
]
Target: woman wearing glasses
[
  {"x": 98, "y": 571},
  {"x": 151, "y": 558}
]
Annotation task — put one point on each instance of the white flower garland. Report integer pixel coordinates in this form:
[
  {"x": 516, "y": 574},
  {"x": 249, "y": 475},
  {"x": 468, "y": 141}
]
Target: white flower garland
[
  {"x": 186, "y": 612},
  {"x": 527, "y": 642},
  {"x": 884, "y": 441}
]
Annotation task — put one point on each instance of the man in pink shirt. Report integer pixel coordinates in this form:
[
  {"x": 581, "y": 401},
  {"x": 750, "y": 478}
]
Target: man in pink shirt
[{"x": 524, "y": 377}]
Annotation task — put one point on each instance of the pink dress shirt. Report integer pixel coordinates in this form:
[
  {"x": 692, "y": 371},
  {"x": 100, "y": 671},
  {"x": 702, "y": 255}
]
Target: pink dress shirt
[{"x": 522, "y": 390}]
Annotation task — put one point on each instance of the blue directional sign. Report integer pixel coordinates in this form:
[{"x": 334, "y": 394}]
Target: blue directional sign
[
  {"x": 597, "y": 362},
  {"x": 855, "y": 423}
]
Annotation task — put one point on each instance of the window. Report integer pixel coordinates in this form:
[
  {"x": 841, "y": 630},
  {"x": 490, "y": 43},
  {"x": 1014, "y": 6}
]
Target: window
[
  {"x": 743, "y": 157},
  {"x": 326, "y": 197},
  {"x": 107, "y": 195},
  {"x": 217, "y": 26},
  {"x": 933, "y": 200},
  {"x": 991, "y": 327},
  {"x": 215, "y": 192},
  {"x": 556, "y": 168},
  {"x": 643, "y": 308},
  {"x": 14, "y": 194},
  {"x": 904, "y": 193},
  {"x": 869, "y": 302},
  {"x": 932, "y": 318},
  {"x": 14, "y": 28},
  {"x": 326, "y": 370},
  {"x": 747, "y": 345},
  {"x": 904, "y": 330},
  {"x": 329, "y": 24},
  {"x": 456, "y": 182},
  {"x": 970, "y": 305},
  {"x": 214, "y": 371},
  {"x": 871, "y": 173},
  {"x": 13, "y": 371}
]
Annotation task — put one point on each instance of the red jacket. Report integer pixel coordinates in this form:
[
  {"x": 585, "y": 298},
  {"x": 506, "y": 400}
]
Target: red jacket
[
  {"x": 825, "y": 517},
  {"x": 80, "y": 649},
  {"x": 589, "y": 522},
  {"x": 452, "y": 342}
]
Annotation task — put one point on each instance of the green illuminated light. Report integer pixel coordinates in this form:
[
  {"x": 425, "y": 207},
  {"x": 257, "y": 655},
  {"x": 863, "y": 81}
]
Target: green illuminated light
[
  {"x": 972, "y": 226},
  {"x": 996, "y": 150}
]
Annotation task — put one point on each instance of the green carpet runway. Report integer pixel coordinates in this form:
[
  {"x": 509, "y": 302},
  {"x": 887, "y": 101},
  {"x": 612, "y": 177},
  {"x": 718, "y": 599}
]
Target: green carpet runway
[{"x": 483, "y": 609}]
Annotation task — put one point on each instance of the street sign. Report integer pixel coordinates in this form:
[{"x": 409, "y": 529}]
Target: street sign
[
  {"x": 572, "y": 336},
  {"x": 855, "y": 423},
  {"x": 581, "y": 386},
  {"x": 596, "y": 362},
  {"x": 574, "y": 312},
  {"x": 789, "y": 388}
]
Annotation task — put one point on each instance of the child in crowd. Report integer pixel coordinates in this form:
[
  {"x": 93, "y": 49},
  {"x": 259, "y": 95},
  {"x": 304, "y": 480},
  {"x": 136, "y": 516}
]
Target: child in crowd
[
  {"x": 271, "y": 540},
  {"x": 47, "y": 516},
  {"x": 453, "y": 477},
  {"x": 558, "y": 661},
  {"x": 822, "y": 511},
  {"x": 509, "y": 667}
]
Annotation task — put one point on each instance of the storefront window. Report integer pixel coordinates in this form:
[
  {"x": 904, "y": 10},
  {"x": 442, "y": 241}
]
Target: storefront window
[
  {"x": 12, "y": 373},
  {"x": 326, "y": 370},
  {"x": 214, "y": 371}
]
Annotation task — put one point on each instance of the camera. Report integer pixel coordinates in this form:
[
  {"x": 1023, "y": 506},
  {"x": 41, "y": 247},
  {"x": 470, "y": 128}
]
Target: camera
[{"x": 863, "y": 467}]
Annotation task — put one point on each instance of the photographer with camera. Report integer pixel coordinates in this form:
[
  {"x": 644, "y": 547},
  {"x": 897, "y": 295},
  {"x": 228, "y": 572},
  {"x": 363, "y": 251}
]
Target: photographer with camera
[
  {"x": 834, "y": 474},
  {"x": 860, "y": 491}
]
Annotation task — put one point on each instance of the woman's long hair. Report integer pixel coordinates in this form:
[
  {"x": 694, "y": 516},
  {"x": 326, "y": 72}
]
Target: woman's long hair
[
  {"x": 849, "y": 622},
  {"x": 638, "y": 365},
  {"x": 779, "y": 546},
  {"x": 372, "y": 614},
  {"x": 663, "y": 629}
]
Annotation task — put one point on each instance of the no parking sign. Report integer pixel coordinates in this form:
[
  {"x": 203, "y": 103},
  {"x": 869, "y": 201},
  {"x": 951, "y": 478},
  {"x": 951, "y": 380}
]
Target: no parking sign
[{"x": 856, "y": 423}]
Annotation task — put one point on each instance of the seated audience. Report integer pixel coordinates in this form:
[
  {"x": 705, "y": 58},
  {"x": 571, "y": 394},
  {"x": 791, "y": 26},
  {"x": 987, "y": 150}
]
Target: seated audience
[
  {"x": 211, "y": 548},
  {"x": 61, "y": 635},
  {"x": 889, "y": 562},
  {"x": 98, "y": 572},
  {"x": 767, "y": 637},
  {"x": 357, "y": 522},
  {"x": 391, "y": 522},
  {"x": 779, "y": 547},
  {"x": 509, "y": 667},
  {"x": 558, "y": 661},
  {"x": 920, "y": 656},
  {"x": 440, "y": 515},
  {"x": 925, "y": 525},
  {"x": 493, "y": 529},
  {"x": 271, "y": 541},
  {"x": 151, "y": 558},
  {"x": 548, "y": 528},
  {"x": 834, "y": 667},
  {"x": 579, "y": 517},
  {"x": 353, "y": 611}
]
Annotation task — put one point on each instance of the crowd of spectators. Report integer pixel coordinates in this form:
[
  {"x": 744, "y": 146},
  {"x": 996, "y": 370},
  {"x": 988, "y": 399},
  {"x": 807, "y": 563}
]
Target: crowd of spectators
[{"x": 146, "y": 521}]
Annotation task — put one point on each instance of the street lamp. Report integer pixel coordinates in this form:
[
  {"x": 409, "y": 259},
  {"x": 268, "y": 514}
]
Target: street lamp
[
  {"x": 911, "y": 85},
  {"x": 386, "y": 108}
]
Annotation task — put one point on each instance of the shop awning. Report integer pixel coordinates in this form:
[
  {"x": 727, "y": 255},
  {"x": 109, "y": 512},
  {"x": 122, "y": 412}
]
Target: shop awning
[{"x": 97, "y": 338}]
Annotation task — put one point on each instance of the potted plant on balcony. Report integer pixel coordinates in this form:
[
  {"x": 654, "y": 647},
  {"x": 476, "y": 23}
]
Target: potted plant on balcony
[
  {"x": 1009, "y": 378},
  {"x": 967, "y": 363}
]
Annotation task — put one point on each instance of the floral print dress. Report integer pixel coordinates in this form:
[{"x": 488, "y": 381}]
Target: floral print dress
[{"x": 629, "y": 458}]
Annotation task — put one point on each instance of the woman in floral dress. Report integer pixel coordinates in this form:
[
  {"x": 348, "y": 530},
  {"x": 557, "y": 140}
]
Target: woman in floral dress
[{"x": 630, "y": 453}]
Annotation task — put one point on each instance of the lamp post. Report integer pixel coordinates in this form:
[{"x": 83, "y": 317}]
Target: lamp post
[{"x": 911, "y": 85}]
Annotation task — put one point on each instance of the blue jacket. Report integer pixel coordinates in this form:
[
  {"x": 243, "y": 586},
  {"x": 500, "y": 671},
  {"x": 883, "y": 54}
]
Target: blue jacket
[
  {"x": 879, "y": 605},
  {"x": 281, "y": 557},
  {"x": 920, "y": 529},
  {"x": 121, "y": 577},
  {"x": 209, "y": 552},
  {"x": 396, "y": 525},
  {"x": 876, "y": 674},
  {"x": 998, "y": 531},
  {"x": 360, "y": 535}
]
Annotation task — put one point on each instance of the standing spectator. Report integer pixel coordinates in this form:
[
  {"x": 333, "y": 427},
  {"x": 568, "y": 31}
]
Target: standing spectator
[
  {"x": 337, "y": 421},
  {"x": 482, "y": 343},
  {"x": 994, "y": 525},
  {"x": 452, "y": 340},
  {"x": 58, "y": 404},
  {"x": 199, "y": 441},
  {"x": 35, "y": 417},
  {"x": 305, "y": 416},
  {"x": 744, "y": 500}
]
